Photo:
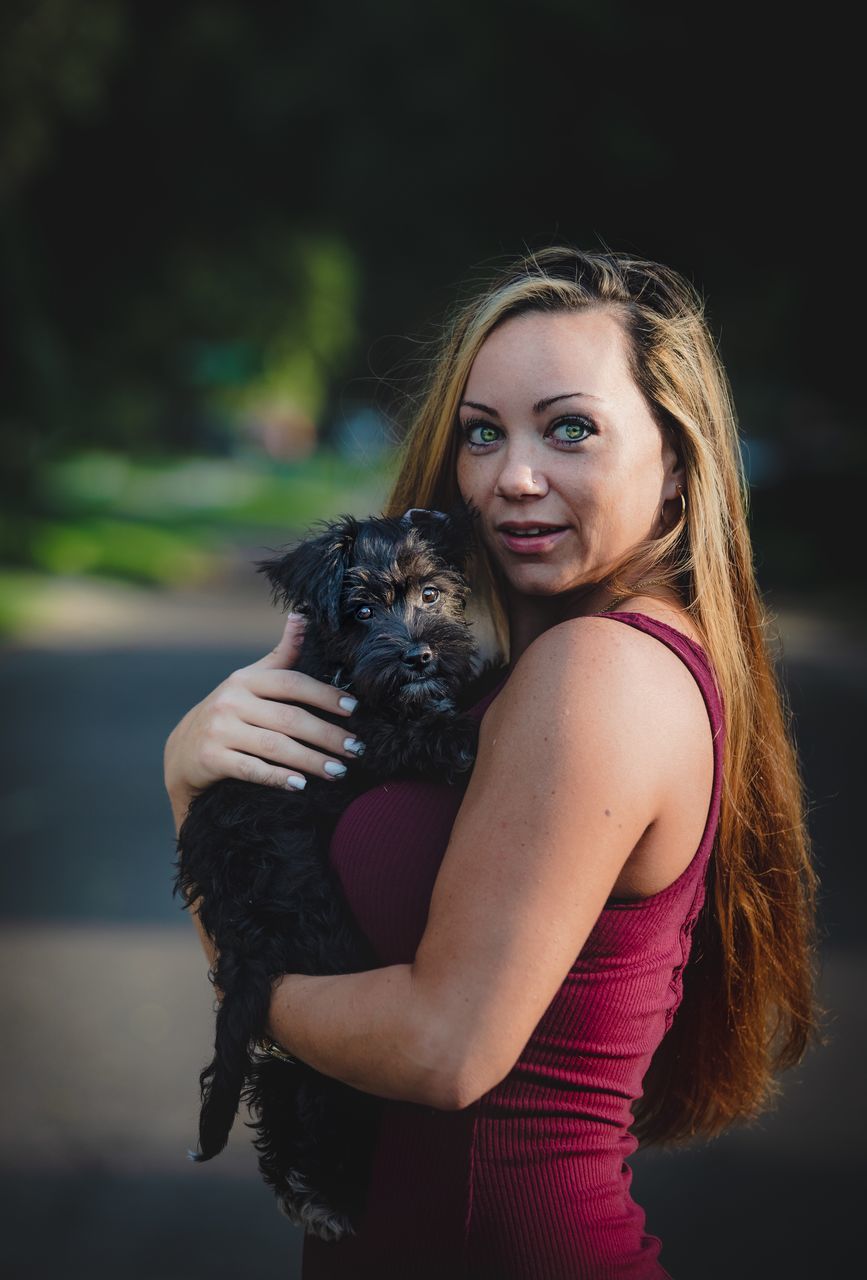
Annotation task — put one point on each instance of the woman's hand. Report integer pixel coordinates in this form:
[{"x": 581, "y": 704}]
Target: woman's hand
[{"x": 255, "y": 726}]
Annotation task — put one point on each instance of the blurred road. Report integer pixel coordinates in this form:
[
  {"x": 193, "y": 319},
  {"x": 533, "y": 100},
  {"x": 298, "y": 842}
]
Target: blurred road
[{"x": 106, "y": 1007}]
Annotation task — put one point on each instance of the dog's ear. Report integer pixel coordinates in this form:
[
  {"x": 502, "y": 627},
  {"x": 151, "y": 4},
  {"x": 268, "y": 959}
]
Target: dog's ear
[
  {"x": 309, "y": 578},
  {"x": 450, "y": 532}
]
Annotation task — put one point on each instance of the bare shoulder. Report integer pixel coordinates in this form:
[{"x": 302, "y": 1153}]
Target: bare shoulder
[
  {"x": 628, "y": 716},
  {"x": 584, "y": 651},
  {"x": 598, "y": 674}
]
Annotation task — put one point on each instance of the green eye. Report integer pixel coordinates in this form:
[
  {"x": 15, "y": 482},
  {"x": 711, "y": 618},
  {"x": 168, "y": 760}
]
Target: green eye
[
  {"x": 481, "y": 433},
  {"x": 572, "y": 430}
]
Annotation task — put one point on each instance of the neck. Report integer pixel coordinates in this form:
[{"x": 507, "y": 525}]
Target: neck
[{"x": 529, "y": 616}]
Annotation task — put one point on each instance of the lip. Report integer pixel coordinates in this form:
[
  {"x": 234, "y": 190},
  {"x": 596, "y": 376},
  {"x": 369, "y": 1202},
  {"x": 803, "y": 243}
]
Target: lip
[
  {"x": 538, "y": 544},
  {"x": 420, "y": 685}
]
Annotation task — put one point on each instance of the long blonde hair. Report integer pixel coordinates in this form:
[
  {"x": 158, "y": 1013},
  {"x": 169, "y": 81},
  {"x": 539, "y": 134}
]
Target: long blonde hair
[{"x": 748, "y": 1007}]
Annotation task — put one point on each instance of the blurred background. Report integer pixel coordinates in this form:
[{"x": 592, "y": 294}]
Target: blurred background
[{"x": 228, "y": 231}]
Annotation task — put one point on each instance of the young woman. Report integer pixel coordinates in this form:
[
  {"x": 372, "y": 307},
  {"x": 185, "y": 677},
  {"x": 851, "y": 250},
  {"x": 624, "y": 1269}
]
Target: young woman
[{"x": 635, "y": 803}]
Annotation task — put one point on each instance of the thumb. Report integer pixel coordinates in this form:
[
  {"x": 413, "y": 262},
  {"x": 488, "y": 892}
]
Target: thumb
[{"x": 288, "y": 648}]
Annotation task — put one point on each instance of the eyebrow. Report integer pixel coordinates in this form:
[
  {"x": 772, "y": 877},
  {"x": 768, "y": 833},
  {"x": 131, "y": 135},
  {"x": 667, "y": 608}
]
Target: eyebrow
[{"x": 539, "y": 407}]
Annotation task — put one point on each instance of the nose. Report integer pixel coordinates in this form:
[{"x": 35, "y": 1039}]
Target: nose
[
  {"x": 518, "y": 478},
  {"x": 419, "y": 656}
]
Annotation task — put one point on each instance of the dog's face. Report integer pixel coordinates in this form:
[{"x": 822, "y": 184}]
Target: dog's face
[{"x": 385, "y": 602}]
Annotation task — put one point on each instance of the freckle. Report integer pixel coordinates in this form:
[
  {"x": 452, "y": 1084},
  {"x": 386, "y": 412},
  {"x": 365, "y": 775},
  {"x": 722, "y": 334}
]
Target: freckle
[{"x": 607, "y": 813}]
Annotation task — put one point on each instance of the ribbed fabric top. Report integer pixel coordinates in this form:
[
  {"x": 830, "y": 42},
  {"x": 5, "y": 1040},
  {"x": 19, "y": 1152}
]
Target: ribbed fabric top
[{"x": 531, "y": 1182}]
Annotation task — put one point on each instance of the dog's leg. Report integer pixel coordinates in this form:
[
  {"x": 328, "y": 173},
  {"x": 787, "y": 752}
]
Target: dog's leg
[
  {"x": 314, "y": 1138},
  {"x": 271, "y": 905},
  {"x": 244, "y": 1009}
]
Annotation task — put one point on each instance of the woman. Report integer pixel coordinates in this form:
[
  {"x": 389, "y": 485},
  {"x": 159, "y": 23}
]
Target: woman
[{"x": 611, "y": 816}]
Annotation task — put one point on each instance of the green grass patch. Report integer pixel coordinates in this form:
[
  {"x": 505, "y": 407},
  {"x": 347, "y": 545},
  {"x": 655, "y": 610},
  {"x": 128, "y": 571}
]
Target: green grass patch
[
  {"x": 226, "y": 492},
  {"x": 171, "y": 521},
  {"x": 124, "y": 549},
  {"x": 21, "y": 594}
]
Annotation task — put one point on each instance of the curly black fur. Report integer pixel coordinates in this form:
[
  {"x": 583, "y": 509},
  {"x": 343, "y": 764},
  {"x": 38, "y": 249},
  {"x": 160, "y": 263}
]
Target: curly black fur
[{"x": 384, "y": 600}]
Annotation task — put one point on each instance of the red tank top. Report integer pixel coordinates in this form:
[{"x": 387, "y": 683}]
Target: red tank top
[{"x": 531, "y": 1182}]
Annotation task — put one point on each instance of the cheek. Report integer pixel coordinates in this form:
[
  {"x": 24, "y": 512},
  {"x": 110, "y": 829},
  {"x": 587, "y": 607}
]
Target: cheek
[{"x": 468, "y": 478}]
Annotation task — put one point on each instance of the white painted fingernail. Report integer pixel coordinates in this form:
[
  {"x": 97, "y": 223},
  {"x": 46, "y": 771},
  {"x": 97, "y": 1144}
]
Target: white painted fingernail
[
  {"x": 298, "y": 784},
  {"x": 353, "y": 745},
  {"x": 347, "y": 704},
  {"x": 334, "y": 770}
]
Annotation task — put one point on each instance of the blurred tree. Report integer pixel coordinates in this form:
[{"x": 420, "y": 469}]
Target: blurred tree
[
  {"x": 54, "y": 66},
  {"x": 205, "y": 195}
]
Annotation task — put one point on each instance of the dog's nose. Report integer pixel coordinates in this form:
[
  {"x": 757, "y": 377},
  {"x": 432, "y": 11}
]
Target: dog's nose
[{"x": 418, "y": 656}]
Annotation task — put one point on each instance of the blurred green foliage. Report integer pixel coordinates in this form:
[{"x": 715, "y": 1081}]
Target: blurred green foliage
[
  {"x": 216, "y": 210},
  {"x": 249, "y": 493},
  {"x": 119, "y": 548},
  {"x": 174, "y": 522},
  {"x": 171, "y": 522},
  {"x": 168, "y": 520}
]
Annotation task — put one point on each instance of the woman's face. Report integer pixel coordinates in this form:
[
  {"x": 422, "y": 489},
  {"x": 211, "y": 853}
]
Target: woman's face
[{"x": 557, "y": 437}]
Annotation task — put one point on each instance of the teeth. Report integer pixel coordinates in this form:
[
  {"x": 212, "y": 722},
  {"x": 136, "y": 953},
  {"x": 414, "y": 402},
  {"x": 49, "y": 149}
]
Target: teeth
[{"x": 528, "y": 533}]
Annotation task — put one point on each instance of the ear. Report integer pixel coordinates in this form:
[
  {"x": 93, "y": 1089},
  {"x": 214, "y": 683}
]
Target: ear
[
  {"x": 672, "y": 461},
  {"x": 450, "y": 533},
  {"x": 675, "y": 484},
  {"x": 310, "y": 577}
]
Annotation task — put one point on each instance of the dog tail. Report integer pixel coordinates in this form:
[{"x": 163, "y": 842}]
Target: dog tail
[{"x": 240, "y": 1018}]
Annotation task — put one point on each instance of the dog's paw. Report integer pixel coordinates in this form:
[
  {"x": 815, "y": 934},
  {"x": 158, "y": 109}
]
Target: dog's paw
[{"x": 465, "y": 746}]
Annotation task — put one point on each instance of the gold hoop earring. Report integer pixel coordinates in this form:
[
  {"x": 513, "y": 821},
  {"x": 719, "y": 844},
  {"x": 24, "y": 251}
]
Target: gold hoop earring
[{"x": 682, "y": 496}]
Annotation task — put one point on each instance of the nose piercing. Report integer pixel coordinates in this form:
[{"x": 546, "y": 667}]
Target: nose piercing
[{"x": 531, "y": 483}]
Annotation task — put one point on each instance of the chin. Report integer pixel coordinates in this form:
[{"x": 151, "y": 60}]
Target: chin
[{"x": 542, "y": 582}]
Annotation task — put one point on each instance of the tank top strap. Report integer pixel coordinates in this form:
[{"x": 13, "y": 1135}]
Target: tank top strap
[
  {"x": 694, "y": 658},
  {"x": 691, "y": 654}
]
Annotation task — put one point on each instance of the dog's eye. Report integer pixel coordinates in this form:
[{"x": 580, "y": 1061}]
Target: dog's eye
[
  {"x": 364, "y": 613},
  {"x": 429, "y": 594}
]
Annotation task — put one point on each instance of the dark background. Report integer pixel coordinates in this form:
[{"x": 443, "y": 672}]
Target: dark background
[
  {"x": 228, "y": 232},
  {"x": 181, "y": 183}
]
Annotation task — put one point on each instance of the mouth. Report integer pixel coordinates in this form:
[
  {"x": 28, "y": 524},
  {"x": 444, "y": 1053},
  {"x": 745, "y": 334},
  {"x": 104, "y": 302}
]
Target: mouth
[
  {"x": 418, "y": 680},
  {"x": 422, "y": 687},
  {"x": 527, "y": 538}
]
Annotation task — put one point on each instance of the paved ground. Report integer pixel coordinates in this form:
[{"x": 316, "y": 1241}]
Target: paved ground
[{"x": 106, "y": 1009}]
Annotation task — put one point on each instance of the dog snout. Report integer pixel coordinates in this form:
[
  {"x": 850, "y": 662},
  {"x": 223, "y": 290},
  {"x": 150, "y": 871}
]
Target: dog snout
[{"x": 419, "y": 656}]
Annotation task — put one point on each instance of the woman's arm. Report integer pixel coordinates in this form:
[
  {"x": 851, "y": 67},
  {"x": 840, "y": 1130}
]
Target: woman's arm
[
  {"x": 573, "y": 768},
  {"x": 246, "y": 724}
]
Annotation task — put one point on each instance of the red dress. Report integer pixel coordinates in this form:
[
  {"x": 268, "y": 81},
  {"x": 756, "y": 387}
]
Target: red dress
[{"x": 530, "y": 1182}]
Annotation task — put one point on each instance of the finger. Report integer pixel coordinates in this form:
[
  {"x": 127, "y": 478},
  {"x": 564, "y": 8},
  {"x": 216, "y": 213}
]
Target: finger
[
  {"x": 294, "y": 686},
  {"x": 288, "y": 648},
  {"x": 296, "y": 723},
  {"x": 277, "y": 749},
  {"x": 252, "y": 769}
]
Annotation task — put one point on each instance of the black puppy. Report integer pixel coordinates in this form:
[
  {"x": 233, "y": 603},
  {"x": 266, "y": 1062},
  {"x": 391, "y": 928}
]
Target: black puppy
[{"x": 384, "y": 600}]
